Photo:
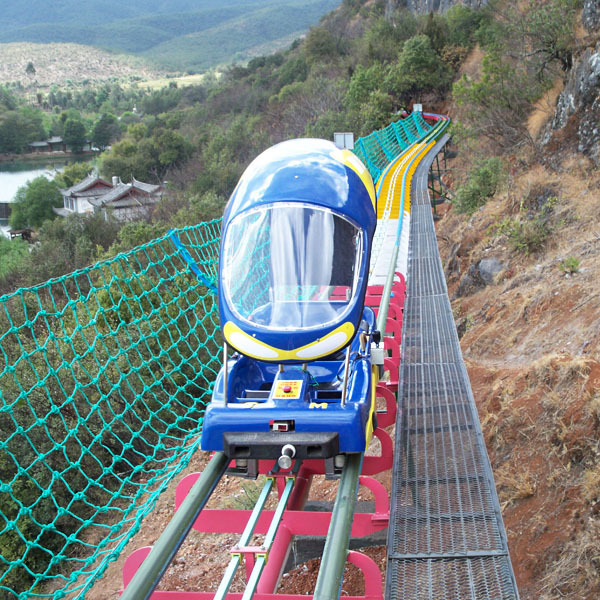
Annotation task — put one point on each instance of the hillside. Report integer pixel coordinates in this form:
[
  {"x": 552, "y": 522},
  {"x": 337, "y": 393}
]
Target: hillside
[
  {"x": 531, "y": 342},
  {"x": 63, "y": 63},
  {"x": 178, "y": 35}
]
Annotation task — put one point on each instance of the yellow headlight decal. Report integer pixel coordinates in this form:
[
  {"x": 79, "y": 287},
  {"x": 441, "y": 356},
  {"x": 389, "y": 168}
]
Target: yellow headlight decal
[{"x": 254, "y": 348}]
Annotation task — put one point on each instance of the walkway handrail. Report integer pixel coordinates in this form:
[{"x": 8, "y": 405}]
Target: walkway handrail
[{"x": 380, "y": 147}]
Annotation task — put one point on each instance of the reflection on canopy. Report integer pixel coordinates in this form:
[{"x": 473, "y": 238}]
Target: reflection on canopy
[{"x": 290, "y": 266}]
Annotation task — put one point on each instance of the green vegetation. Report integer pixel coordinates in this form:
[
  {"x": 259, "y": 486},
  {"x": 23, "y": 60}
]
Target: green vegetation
[
  {"x": 33, "y": 203},
  {"x": 12, "y": 256},
  {"x": 19, "y": 124},
  {"x": 483, "y": 182},
  {"x": 147, "y": 153},
  {"x": 102, "y": 405},
  {"x": 527, "y": 45},
  {"x": 200, "y": 138},
  {"x": 72, "y": 173},
  {"x": 569, "y": 265},
  {"x": 529, "y": 232},
  {"x": 74, "y": 134},
  {"x": 526, "y": 236}
]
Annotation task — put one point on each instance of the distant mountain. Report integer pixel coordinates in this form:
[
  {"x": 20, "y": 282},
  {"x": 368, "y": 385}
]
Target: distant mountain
[{"x": 175, "y": 34}]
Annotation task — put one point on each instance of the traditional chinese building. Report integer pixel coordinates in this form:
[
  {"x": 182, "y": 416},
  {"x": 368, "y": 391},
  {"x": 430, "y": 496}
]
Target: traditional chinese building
[
  {"x": 55, "y": 144},
  {"x": 124, "y": 201}
]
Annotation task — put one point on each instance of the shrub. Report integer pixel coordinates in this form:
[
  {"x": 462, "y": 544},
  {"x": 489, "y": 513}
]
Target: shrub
[
  {"x": 527, "y": 236},
  {"x": 484, "y": 181},
  {"x": 418, "y": 70},
  {"x": 33, "y": 203},
  {"x": 569, "y": 265},
  {"x": 529, "y": 233}
]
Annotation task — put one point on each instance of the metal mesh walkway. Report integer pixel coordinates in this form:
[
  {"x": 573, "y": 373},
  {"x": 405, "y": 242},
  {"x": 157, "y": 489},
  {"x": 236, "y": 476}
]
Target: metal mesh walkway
[{"x": 446, "y": 537}]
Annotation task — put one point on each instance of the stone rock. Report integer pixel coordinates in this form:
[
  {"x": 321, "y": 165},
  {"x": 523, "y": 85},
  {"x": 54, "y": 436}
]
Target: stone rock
[
  {"x": 590, "y": 15},
  {"x": 470, "y": 282},
  {"x": 581, "y": 88},
  {"x": 580, "y": 100},
  {"x": 489, "y": 268},
  {"x": 453, "y": 265},
  {"x": 479, "y": 275}
]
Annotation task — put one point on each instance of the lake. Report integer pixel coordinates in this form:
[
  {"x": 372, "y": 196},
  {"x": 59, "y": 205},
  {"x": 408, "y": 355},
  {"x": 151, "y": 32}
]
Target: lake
[{"x": 14, "y": 175}]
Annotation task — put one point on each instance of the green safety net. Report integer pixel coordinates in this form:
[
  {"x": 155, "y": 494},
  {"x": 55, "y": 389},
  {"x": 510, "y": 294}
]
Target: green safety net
[
  {"x": 379, "y": 148},
  {"x": 104, "y": 374}
]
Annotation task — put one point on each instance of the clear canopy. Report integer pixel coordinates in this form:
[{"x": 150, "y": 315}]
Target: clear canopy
[{"x": 290, "y": 266}]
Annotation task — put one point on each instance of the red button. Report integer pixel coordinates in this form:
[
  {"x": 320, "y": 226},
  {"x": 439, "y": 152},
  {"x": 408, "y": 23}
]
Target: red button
[{"x": 287, "y": 389}]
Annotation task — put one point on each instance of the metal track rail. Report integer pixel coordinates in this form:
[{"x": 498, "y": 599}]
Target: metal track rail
[
  {"x": 446, "y": 537},
  {"x": 331, "y": 572},
  {"x": 153, "y": 568}
]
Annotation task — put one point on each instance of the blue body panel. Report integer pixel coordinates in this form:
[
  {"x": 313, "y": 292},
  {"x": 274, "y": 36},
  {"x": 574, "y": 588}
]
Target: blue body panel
[
  {"x": 307, "y": 172},
  {"x": 317, "y": 409}
]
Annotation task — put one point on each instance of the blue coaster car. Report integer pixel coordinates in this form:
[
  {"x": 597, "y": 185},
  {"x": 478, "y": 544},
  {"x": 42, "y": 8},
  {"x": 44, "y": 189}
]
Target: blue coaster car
[{"x": 295, "y": 249}]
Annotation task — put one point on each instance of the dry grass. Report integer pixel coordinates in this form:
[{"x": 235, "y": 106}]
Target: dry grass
[
  {"x": 577, "y": 567},
  {"x": 561, "y": 374},
  {"x": 593, "y": 406},
  {"x": 64, "y": 63},
  {"x": 472, "y": 64},
  {"x": 533, "y": 357},
  {"x": 183, "y": 81},
  {"x": 514, "y": 485},
  {"x": 544, "y": 109},
  {"x": 591, "y": 484}
]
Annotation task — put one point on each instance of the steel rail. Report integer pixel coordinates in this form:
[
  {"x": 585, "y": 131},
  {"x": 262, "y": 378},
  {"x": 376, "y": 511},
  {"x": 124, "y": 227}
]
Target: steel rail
[
  {"x": 262, "y": 558},
  {"x": 156, "y": 563},
  {"x": 329, "y": 580},
  {"x": 236, "y": 559}
]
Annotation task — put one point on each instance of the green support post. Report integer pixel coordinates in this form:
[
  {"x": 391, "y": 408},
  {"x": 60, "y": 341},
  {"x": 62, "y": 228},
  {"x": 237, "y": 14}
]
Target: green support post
[{"x": 432, "y": 188}]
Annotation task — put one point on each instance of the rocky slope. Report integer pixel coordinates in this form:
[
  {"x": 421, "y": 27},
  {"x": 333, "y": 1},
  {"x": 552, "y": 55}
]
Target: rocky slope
[
  {"x": 524, "y": 278},
  {"x": 531, "y": 341},
  {"x": 576, "y": 121},
  {"x": 423, "y": 7}
]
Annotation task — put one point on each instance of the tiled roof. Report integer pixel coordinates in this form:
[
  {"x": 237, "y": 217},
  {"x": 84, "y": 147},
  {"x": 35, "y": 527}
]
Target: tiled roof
[
  {"x": 82, "y": 186},
  {"x": 127, "y": 201},
  {"x": 61, "y": 211},
  {"x": 145, "y": 187},
  {"x": 145, "y": 193},
  {"x": 122, "y": 189}
]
